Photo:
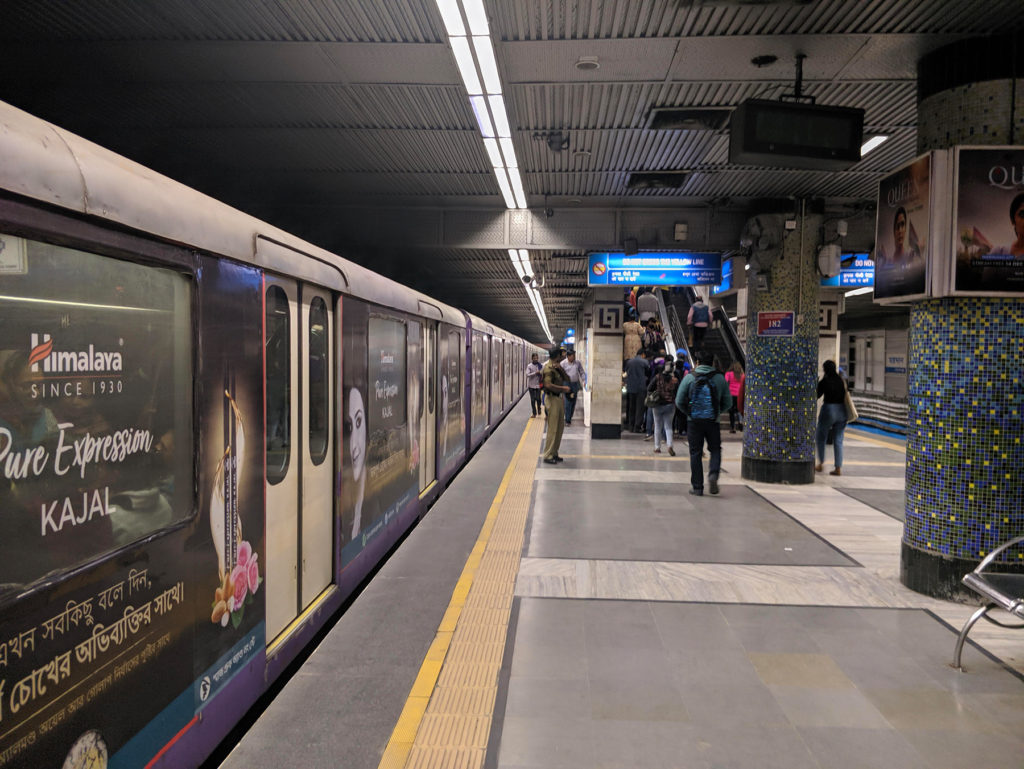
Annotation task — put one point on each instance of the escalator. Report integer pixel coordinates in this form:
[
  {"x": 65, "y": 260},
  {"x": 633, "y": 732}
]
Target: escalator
[{"x": 720, "y": 338}]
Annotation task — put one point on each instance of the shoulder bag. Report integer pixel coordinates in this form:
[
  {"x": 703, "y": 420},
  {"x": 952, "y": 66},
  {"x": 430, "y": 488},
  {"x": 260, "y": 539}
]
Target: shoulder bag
[{"x": 851, "y": 409}]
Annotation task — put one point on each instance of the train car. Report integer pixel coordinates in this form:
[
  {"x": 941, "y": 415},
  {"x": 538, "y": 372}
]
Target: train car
[
  {"x": 485, "y": 400},
  {"x": 211, "y": 432}
]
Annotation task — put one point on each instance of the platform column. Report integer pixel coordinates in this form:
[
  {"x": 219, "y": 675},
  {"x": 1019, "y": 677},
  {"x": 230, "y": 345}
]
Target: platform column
[
  {"x": 606, "y": 384},
  {"x": 778, "y": 433},
  {"x": 964, "y": 440}
]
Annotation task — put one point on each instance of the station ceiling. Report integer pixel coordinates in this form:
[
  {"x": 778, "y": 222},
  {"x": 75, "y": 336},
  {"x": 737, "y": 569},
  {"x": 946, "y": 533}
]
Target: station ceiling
[{"x": 346, "y": 121}]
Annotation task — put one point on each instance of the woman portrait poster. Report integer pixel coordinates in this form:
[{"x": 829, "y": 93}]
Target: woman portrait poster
[
  {"x": 990, "y": 221},
  {"x": 901, "y": 233}
]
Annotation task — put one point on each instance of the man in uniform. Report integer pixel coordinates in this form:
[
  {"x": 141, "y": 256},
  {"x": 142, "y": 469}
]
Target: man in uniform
[{"x": 554, "y": 382}]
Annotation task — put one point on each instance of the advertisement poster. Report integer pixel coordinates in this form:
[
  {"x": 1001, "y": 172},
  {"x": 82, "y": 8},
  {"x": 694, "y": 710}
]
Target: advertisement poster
[
  {"x": 479, "y": 384},
  {"x": 901, "y": 232},
  {"x": 681, "y": 268},
  {"x": 451, "y": 360},
  {"x": 380, "y": 460},
  {"x": 228, "y": 544},
  {"x": 990, "y": 221},
  {"x": 95, "y": 396},
  {"x": 496, "y": 354}
]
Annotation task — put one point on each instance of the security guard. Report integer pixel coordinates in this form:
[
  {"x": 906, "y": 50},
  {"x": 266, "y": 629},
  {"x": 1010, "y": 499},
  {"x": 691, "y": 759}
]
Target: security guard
[{"x": 555, "y": 382}]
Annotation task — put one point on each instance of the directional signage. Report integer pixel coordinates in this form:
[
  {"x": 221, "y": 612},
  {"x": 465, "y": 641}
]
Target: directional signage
[
  {"x": 680, "y": 268},
  {"x": 855, "y": 271},
  {"x": 775, "y": 323}
]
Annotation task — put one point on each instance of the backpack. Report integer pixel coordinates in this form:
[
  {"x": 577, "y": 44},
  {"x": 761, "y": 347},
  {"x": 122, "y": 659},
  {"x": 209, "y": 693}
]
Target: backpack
[
  {"x": 701, "y": 399},
  {"x": 701, "y": 315}
]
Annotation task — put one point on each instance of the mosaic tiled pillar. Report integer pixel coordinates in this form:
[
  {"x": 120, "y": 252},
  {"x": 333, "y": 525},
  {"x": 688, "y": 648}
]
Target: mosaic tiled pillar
[
  {"x": 778, "y": 432},
  {"x": 964, "y": 437}
]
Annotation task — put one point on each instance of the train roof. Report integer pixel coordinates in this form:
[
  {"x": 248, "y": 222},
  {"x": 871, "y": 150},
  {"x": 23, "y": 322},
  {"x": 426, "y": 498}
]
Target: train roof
[
  {"x": 45, "y": 162},
  {"x": 479, "y": 324}
]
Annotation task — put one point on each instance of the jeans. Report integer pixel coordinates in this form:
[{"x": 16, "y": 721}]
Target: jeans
[
  {"x": 831, "y": 414},
  {"x": 570, "y": 400},
  {"x": 663, "y": 424},
  {"x": 698, "y": 336},
  {"x": 697, "y": 430},
  {"x": 635, "y": 411},
  {"x": 649, "y": 421},
  {"x": 535, "y": 400},
  {"x": 734, "y": 415}
]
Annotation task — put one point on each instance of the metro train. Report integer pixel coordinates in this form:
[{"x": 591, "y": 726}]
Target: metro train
[{"x": 211, "y": 432}]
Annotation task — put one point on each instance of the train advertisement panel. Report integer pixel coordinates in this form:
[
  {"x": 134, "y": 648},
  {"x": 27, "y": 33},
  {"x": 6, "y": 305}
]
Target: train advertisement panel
[
  {"x": 380, "y": 462},
  {"x": 479, "y": 385},
  {"x": 989, "y": 229},
  {"x": 902, "y": 232},
  {"x": 106, "y": 570}
]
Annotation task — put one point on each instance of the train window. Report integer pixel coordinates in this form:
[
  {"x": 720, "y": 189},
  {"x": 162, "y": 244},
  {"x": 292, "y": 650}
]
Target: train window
[
  {"x": 319, "y": 371},
  {"x": 96, "y": 443},
  {"x": 279, "y": 391}
]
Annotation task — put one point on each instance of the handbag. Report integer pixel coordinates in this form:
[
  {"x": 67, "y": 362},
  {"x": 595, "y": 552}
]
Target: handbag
[
  {"x": 851, "y": 409},
  {"x": 652, "y": 400}
]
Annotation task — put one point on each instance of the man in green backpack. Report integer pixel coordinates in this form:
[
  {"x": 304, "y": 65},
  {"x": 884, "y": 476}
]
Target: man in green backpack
[{"x": 703, "y": 396}]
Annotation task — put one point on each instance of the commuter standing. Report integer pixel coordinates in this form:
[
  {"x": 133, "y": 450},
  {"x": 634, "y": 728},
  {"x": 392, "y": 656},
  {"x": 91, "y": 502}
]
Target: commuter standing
[
  {"x": 704, "y": 395},
  {"x": 663, "y": 391},
  {"x": 647, "y": 305},
  {"x": 699, "y": 317},
  {"x": 682, "y": 368},
  {"x": 832, "y": 417},
  {"x": 577, "y": 381},
  {"x": 533, "y": 372},
  {"x": 555, "y": 383},
  {"x": 734, "y": 378},
  {"x": 637, "y": 373}
]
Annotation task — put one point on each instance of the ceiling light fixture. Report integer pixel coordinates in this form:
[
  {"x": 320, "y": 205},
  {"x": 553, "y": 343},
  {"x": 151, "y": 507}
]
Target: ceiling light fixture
[
  {"x": 872, "y": 143},
  {"x": 859, "y": 291},
  {"x": 588, "y": 63}
]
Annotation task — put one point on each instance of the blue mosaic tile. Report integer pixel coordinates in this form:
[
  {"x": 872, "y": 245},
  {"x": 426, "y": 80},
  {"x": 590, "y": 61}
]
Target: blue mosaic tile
[{"x": 965, "y": 442}]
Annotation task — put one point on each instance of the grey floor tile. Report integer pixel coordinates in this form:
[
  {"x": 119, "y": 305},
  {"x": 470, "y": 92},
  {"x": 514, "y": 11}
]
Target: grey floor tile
[
  {"x": 952, "y": 750},
  {"x": 928, "y": 708},
  {"x": 828, "y": 707},
  {"x": 689, "y": 627},
  {"x": 725, "y": 666},
  {"x": 547, "y": 662},
  {"x": 620, "y": 699},
  {"x": 841, "y": 747},
  {"x": 725, "y": 747},
  {"x": 548, "y": 698},
  {"x": 633, "y": 745},
  {"x": 544, "y": 742},
  {"x": 739, "y": 706}
]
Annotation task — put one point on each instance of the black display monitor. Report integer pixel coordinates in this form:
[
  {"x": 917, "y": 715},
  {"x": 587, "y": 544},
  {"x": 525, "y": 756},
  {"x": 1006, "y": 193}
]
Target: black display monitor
[{"x": 795, "y": 135}]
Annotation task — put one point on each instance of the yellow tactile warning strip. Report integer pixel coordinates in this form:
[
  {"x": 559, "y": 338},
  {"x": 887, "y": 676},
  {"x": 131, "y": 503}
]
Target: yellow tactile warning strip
[{"x": 446, "y": 720}]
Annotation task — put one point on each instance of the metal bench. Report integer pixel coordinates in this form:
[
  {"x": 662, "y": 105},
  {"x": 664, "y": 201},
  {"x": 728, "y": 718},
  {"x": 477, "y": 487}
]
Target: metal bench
[{"x": 1002, "y": 590}]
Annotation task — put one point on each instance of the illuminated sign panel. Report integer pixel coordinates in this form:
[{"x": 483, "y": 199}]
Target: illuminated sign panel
[
  {"x": 655, "y": 269},
  {"x": 855, "y": 271}
]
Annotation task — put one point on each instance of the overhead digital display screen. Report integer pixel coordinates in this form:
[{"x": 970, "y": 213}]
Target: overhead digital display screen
[
  {"x": 855, "y": 271},
  {"x": 680, "y": 268}
]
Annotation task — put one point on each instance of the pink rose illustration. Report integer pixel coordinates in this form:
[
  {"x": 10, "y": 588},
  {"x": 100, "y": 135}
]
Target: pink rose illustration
[
  {"x": 253, "y": 571},
  {"x": 239, "y": 583},
  {"x": 244, "y": 553}
]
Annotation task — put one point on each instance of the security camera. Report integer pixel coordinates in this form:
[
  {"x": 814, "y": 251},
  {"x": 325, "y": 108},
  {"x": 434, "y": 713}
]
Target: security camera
[
  {"x": 527, "y": 279},
  {"x": 549, "y": 212}
]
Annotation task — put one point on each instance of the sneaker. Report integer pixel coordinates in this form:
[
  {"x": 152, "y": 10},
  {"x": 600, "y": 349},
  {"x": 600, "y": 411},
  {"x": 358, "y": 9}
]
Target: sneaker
[
  {"x": 693, "y": 492},
  {"x": 649, "y": 438},
  {"x": 713, "y": 482},
  {"x": 657, "y": 451},
  {"x": 671, "y": 451}
]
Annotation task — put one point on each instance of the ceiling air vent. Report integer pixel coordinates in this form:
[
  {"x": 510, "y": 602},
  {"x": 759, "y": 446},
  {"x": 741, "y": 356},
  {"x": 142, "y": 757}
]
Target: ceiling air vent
[
  {"x": 689, "y": 118},
  {"x": 656, "y": 180}
]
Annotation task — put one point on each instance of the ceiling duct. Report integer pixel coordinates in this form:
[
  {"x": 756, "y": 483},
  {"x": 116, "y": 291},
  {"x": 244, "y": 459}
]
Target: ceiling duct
[
  {"x": 689, "y": 118},
  {"x": 656, "y": 180}
]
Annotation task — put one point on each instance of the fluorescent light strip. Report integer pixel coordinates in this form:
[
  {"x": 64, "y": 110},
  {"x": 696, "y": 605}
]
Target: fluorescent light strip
[
  {"x": 509, "y": 152},
  {"x": 483, "y": 118},
  {"x": 62, "y": 303},
  {"x": 871, "y": 144},
  {"x": 500, "y": 117},
  {"x": 491, "y": 145},
  {"x": 451, "y": 16},
  {"x": 476, "y": 17},
  {"x": 859, "y": 291},
  {"x": 467, "y": 67},
  {"x": 506, "y": 190},
  {"x": 488, "y": 64},
  {"x": 517, "y": 187}
]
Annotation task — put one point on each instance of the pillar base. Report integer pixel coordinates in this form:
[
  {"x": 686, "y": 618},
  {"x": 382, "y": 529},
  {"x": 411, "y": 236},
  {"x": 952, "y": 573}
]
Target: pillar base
[
  {"x": 775, "y": 471},
  {"x": 939, "y": 576},
  {"x": 600, "y": 430}
]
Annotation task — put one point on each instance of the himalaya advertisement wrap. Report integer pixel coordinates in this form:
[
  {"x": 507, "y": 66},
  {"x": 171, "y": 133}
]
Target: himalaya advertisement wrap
[
  {"x": 95, "y": 394},
  {"x": 901, "y": 232},
  {"x": 989, "y": 230},
  {"x": 452, "y": 425},
  {"x": 380, "y": 457}
]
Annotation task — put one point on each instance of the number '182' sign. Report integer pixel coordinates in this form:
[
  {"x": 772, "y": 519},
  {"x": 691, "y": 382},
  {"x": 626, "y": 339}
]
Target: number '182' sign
[{"x": 775, "y": 323}]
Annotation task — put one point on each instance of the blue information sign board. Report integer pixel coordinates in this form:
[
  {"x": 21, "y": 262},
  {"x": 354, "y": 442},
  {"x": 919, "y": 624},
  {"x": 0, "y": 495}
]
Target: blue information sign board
[
  {"x": 679, "y": 268},
  {"x": 855, "y": 271}
]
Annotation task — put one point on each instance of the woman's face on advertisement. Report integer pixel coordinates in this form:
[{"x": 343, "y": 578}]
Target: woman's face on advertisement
[
  {"x": 899, "y": 230},
  {"x": 1018, "y": 221},
  {"x": 357, "y": 440}
]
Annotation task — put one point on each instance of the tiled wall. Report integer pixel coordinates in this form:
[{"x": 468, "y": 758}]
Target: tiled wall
[
  {"x": 782, "y": 372},
  {"x": 965, "y": 443}
]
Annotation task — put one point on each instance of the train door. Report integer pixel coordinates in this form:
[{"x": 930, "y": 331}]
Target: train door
[
  {"x": 299, "y": 448},
  {"x": 428, "y": 424},
  {"x": 316, "y": 511}
]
